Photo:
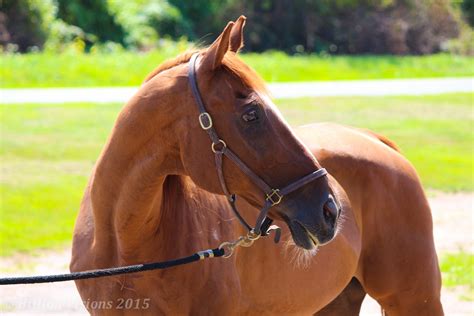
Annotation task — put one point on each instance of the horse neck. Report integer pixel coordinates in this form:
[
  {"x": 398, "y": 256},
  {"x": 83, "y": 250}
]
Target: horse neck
[
  {"x": 128, "y": 185},
  {"x": 144, "y": 206},
  {"x": 166, "y": 217}
]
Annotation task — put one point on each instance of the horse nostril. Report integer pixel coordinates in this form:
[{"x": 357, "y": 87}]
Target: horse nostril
[{"x": 330, "y": 212}]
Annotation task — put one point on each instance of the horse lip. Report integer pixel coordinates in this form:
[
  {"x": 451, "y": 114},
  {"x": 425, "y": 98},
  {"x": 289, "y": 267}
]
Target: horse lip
[
  {"x": 310, "y": 241},
  {"x": 311, "y": 236}
]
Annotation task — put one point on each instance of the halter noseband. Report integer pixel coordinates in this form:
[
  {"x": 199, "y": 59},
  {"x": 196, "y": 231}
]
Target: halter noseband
[{"x": 219, "y": 147}]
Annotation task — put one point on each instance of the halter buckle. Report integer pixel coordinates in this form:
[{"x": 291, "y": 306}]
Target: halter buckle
[
  {"x": 219, "y": 150},
  {"x": 274, "y": 197},
  {"x": 205, "y": 120}
]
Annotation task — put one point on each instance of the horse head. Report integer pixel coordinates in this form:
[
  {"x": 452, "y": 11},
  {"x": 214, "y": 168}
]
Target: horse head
[{"x": 244, "y": 120}]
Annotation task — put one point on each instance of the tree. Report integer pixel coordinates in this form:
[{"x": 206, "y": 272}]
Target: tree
[{"x": 25, "y": 23}]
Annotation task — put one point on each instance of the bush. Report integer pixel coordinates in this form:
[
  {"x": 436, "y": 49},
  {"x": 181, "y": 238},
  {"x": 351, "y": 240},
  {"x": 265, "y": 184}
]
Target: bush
[
  {"x": 348, "y": 26},
  {"x": 298, "y": 26},
  {"x": 25, "y": 23},
  {"x": 416, "y": 27},
  {"x": 92, "y": 17},
  {"x": 464, "y": 44},
  {"x": 65, "y": 37},
  {"x": 468, "y": 10},
  {"x": 146, "y": 20}
]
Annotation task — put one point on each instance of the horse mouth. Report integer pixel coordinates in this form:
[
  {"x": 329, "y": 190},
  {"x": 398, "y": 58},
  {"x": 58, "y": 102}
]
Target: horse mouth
[{"x": 302, "y": 236}]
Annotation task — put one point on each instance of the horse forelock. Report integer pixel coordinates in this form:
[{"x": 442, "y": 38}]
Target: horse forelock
[{"x": 231, "y": 62}]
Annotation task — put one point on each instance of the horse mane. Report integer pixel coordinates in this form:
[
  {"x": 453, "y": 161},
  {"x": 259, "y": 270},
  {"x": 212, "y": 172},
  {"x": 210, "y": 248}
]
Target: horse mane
[
  {"x": 388, "y": 142},
  {"x": 231, "y": 63},
  {"x": 170, "y": 63},
  {"x": 381, "y": 138}
]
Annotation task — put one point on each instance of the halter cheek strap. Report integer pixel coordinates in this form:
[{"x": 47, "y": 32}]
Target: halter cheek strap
[{"x": 220, "y": 149}]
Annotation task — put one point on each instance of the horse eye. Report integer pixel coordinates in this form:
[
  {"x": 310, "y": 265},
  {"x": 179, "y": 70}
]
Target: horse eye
[{"x": 250, "y": 116}]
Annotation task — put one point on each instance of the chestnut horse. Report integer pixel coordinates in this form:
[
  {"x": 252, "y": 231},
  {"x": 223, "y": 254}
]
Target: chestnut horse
[{"x": 155, "y": 195}]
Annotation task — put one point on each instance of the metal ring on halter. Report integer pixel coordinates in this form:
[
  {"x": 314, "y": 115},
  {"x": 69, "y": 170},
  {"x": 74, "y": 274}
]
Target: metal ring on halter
[
  {"x": 217, "y": 151},
  {"x": 252, "y": 235}
]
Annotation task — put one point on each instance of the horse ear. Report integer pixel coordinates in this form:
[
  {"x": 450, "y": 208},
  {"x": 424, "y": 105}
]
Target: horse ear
[
  {"x": 237, "y": 34},
  {"x": 215, "y": 53}
]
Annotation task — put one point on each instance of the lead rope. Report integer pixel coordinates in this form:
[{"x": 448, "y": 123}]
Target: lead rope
[
  {"x": 92, "y": 274},
  {"x": 225, "y": 250}
]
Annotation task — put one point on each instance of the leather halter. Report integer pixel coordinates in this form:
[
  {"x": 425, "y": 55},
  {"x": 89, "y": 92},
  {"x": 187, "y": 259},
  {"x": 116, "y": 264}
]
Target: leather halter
[{"x": 220, "y": 149}]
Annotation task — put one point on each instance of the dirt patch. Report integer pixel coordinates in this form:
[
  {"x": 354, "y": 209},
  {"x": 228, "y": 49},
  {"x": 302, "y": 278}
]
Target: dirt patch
[
  {"x": 453, "y": 221},
  {"x": 39, "y": 299},
  {"x": 453, "y": 227}
]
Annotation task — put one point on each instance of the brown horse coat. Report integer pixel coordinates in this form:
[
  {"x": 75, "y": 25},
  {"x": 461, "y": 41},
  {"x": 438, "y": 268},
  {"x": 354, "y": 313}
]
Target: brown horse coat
[{"x": 152, "y": 197}]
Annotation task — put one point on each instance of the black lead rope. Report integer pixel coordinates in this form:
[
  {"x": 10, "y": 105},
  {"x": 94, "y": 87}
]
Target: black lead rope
[{"x": 201, "y": 255}]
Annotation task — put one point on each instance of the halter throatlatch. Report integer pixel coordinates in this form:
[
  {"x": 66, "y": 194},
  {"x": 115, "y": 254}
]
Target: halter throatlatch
[{"x": 272, "y": 196}]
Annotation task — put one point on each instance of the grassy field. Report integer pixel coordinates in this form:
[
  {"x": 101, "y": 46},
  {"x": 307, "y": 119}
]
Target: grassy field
[
  {"x": 434, "y": 132},
  {"x": 457, "y": 270},
  {"x": 47, "y": 152},
  {"x": 129, "y": 69}
]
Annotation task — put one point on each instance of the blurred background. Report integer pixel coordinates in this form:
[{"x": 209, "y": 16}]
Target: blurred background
[
  {"x": 403, "y": 68},
  {"x": 303, "y": 26}
]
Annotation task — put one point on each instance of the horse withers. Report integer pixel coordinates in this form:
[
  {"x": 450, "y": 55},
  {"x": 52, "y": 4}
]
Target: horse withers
[{"x": 155, "y": 194}]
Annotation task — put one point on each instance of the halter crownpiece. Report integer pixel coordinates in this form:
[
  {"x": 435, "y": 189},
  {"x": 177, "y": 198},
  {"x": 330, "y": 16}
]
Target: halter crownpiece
[{"x": 219, "y": 148}]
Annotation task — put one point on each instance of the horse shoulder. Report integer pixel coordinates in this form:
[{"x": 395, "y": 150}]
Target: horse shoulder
[{"x": 379, "y": 181}]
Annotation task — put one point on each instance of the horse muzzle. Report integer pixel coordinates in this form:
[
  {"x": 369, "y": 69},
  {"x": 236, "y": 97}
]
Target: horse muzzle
[{"x": 314, "y": 226}]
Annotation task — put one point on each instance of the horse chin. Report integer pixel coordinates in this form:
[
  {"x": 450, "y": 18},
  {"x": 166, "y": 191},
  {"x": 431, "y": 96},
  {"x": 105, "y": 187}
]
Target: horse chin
[{"x": 302, "y": 237}]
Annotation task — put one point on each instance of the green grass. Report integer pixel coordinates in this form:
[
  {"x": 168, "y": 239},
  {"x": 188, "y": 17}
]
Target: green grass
[
  {"x": 47, "y": 153},
  {"x": 129, "y": 69},
  {"x": 434, "y": 132},
  {"x": 458, "y": 270},
  {"x": 279, "y": 67}
]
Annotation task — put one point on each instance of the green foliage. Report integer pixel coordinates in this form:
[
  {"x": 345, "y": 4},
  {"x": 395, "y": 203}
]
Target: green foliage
[
  {"x": 347, "y": 26},
  {"x": 25, "y": 23},
  {"x": 203, "y": 17},
  {"x": 341, "y": 26},
  {"x": 101, "y": 68},
  {"x": 93, "y": 17},
  {"x": 458, "y": 270},
  {"x": 64, "y": 37},
  {"x": 167, "y": 20},
  {"x": 145, "y": 20},
  {"x": 468, "y": 10},
  {"x": 46, "y": 161},
  {"x": 464, "y": 44}
]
